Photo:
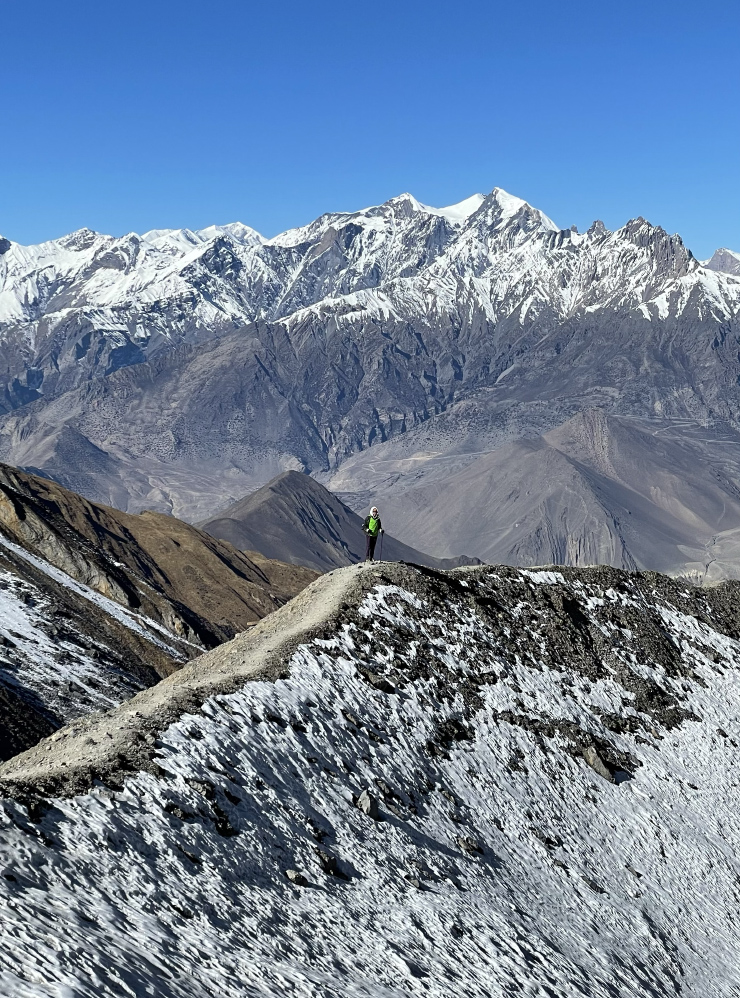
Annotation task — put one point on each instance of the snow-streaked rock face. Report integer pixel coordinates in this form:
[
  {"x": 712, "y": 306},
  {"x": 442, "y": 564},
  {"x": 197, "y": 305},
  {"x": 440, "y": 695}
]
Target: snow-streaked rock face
[
  {"x": 725, "y": 261},
  {"x": 67, "y": 650},
  {"x": 89, "y": 303},
  {"x": 55, "y": 665},
  {"x": 551, "y": 755}
]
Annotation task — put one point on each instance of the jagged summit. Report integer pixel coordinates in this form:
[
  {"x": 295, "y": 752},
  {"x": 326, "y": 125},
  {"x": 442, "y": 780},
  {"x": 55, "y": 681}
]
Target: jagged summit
[{"x": 504, "y": 206}]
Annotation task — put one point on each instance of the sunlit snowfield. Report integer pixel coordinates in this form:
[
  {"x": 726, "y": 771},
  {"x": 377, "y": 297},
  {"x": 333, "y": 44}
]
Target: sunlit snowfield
[{"x": 503, "y": 863}]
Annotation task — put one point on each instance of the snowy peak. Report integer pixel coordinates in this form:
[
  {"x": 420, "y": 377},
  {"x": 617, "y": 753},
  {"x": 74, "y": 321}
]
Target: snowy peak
[
  {"x": 514, "y": 261},
  {"x": 455, "y": 213},
  {"x": 241, "y": 233},
  {"x": 80, "y": 240},
  {"x": 725, "y": 261},
  {"x": 655, "y": 238}
]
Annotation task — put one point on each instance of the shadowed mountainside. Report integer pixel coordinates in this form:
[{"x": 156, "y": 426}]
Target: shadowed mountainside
[{"x": 295, "y": 519}]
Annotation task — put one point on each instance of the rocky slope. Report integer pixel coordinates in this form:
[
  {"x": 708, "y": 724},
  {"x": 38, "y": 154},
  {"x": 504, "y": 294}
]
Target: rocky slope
[
  {"x": 176, "y": 574},
  {"x": 67, "y": 650},
  {"x": 96, "y": 605},
  {"x": 294, "y": 519},
  {"x": 402, "y": 783}
]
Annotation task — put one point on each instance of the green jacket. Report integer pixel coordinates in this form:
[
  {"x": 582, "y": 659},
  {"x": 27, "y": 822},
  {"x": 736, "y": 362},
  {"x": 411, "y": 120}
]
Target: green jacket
[{"x": 372, "y": 525}]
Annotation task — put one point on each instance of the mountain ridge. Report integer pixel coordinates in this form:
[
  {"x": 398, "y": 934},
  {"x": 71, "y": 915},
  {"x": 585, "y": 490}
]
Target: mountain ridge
[
  {"x": 405, "y": 782},
  {"x": 96, "y": 604},
  {"x": 228, "y": 361}
]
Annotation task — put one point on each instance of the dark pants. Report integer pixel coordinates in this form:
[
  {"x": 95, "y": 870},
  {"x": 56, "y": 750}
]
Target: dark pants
[{"x": 370, "y": 547}]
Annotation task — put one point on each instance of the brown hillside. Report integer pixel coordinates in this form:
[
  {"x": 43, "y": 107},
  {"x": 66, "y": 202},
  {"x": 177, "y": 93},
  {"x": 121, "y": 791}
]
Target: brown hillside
[{"x": 196, "y": 585}]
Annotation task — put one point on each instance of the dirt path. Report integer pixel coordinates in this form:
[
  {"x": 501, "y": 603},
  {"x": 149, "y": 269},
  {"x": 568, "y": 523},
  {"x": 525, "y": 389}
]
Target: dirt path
[{"x": 106, "y": 746}]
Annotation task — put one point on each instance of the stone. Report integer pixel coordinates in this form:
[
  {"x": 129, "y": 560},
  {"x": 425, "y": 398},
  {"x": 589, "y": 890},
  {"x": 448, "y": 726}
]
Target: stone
[
  {"x": 594, "y": 760},
  {"x": 368, "y": 804},
  {"x": 469, "y": 845},
  {"x": 296, "y": 878},
  {"x": 395, "y": 809},
  {"x": 329, "y": 864},
  {"x": 379, "y": 682}
]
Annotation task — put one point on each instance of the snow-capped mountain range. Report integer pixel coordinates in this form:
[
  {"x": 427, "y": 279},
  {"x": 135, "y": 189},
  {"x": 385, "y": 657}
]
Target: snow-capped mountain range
[
  {"x": 381, "y": 351},
  {"x": 89, "y": 303}
]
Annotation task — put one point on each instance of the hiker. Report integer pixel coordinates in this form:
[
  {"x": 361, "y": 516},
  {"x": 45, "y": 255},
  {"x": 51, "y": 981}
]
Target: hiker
[{"x": 372, "y": 527}]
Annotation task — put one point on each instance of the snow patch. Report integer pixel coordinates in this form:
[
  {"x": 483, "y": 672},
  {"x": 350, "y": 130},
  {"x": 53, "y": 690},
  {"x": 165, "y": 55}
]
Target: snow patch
[
  {"x": 457, "y": 212},
  {"x": 141, "y": 625}
]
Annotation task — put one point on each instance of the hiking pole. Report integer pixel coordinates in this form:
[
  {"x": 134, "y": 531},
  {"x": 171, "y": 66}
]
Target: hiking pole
[{"x": 381, "y": 544}]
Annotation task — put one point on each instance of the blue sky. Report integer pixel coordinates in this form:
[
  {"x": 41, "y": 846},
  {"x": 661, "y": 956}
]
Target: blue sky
[{"x": 130, "y": 116}]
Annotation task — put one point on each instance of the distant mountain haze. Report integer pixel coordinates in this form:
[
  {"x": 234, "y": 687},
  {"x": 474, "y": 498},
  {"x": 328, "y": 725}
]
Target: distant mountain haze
[
  {"x": 394, "y": 354},
  {"x": 597, "y": 490}
]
